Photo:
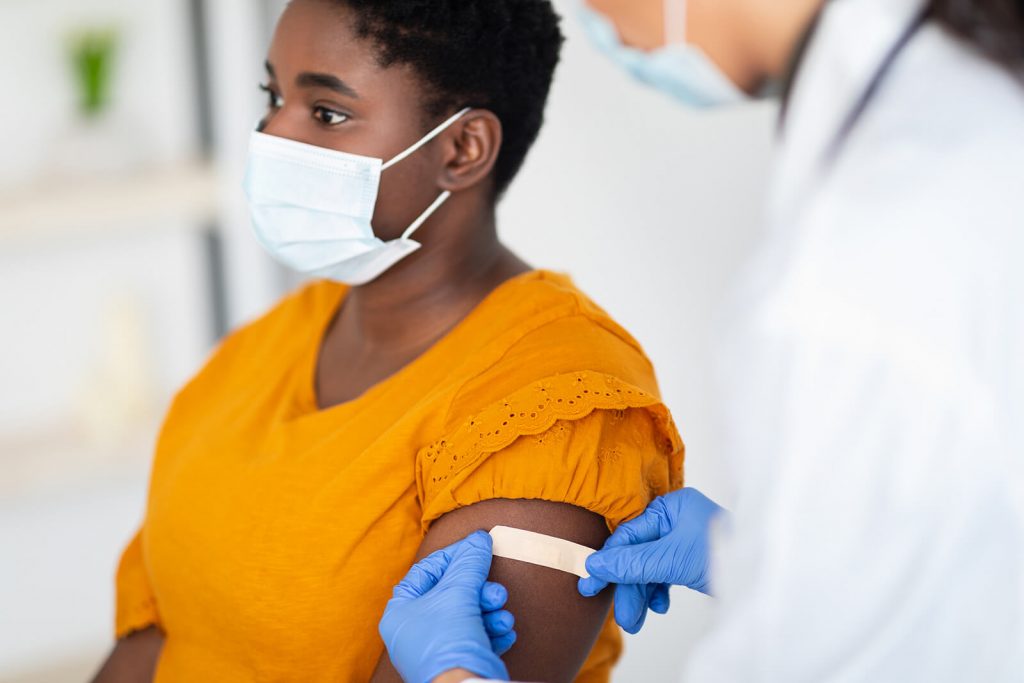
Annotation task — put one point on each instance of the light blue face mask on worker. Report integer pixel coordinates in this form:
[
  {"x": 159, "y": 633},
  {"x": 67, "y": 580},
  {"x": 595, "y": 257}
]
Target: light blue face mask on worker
[
  {"x": 679, "y": 68},
  {"x": 312, "y": 207}
]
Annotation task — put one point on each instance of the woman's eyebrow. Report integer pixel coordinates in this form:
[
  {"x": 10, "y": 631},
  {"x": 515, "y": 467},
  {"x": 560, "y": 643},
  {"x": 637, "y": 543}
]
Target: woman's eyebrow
[{"x": 319, "y": 80}]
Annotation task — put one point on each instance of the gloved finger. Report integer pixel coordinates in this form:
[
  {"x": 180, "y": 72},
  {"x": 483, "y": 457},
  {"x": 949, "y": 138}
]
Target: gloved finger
[
  {"x": 499, "y": 623},
  {"x": 503, "y": 644},
  {"x": 493, "y": 596},
  {"x": 470, "y": 562},
  {"x": 652, "y": 524},
  {"x": 660, "y": 600},
  {"x": 423, "y": 575},
  {"x": 472, "y": 554},
  {"x": 631, "y": 607},
  {"x": 590, "y": 586},
  {"x": 628, "y": 564}
]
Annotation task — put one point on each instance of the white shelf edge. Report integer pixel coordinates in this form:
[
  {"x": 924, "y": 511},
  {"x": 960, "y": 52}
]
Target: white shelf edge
[
  {"x": 105, "y": 205},
  {"x": 62, "y": 456}
]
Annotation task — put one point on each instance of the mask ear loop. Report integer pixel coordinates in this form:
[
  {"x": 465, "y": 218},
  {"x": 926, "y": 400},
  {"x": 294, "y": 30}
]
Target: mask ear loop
[
  {"x": 427, "y": 138},
  {"x": 675, "y": 22},
  {"x": 425, "y": 216}
]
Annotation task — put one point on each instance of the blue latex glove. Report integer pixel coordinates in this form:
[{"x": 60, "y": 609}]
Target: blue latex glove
[
  {"x": 666, "y": 545},
  {"x": 445, "y": 615}
]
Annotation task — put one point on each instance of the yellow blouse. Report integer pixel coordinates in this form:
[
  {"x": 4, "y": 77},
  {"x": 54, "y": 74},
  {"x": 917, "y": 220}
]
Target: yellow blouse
[{"x": 275, "y": 531}]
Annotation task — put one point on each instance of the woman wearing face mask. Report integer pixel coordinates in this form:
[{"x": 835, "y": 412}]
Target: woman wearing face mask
[
  {"x": 873, "y": 365},
  {"x": 428, "y": 385}
]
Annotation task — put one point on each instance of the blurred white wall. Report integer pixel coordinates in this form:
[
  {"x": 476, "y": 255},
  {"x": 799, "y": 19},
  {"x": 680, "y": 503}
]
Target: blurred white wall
[
  {"x": 152, "y": 78},
  {"x": 53, "y": 286},
  {"x": 651, "y": 208},
  {"x": 72, "y": 471}
]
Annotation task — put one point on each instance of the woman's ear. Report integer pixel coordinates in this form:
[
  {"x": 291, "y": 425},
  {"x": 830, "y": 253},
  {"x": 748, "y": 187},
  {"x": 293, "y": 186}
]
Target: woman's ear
[{"x": 471, "y": 150}]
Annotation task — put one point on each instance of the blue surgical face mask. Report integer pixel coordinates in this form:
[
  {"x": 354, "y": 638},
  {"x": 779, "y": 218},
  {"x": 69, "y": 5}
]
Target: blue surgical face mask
[
  {"x": 679, "y": 68},
  {"x": 312, "y": 207}
]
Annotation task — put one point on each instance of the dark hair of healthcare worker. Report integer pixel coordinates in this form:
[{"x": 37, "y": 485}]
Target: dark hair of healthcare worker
[{"x": 873, "y": 366}]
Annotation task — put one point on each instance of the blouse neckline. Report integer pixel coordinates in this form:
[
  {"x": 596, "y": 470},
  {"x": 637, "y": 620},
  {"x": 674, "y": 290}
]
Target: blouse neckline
[{"x": 306, "y": 398}]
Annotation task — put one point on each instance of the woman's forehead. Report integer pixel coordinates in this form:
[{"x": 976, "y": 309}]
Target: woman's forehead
[{"x": 320, "y": 37}]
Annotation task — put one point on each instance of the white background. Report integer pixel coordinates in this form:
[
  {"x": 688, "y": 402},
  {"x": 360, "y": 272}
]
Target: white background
[{"x": 651, "y": 208}]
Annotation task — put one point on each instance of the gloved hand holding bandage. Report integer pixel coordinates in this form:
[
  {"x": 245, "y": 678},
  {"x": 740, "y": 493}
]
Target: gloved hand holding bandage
[
  {"x": 445, "y": 615},
  {"x": 666, "y": 545}
]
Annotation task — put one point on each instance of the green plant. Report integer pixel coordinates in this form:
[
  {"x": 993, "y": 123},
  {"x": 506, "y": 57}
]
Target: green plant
[{"x": 92, "y": 55}]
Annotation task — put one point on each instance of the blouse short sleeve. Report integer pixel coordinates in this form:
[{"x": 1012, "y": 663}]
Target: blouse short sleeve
[
  {"x": 585, "y": 439},
  {"x": 136, "y": 603}
]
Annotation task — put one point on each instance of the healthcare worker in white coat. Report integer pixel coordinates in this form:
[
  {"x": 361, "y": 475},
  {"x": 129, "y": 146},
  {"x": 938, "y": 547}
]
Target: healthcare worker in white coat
[{"x": 873, "y": 369}]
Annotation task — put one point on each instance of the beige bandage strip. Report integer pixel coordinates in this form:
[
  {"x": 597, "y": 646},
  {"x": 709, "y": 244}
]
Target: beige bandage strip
[{"x": 546, "y": 551}]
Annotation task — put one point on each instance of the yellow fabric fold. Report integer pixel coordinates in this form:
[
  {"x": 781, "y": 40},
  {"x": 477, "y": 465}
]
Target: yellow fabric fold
[{"x": 136, "y": 604}]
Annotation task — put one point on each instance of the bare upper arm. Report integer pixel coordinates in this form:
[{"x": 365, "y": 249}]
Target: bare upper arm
[
  {"x": 556, "y": 626},
  {"x": 133, "y": 659}
]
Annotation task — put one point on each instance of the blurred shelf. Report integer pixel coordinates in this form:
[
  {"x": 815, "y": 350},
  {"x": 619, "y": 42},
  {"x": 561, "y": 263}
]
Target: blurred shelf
[
  {"x": 64, "y": 458},
  {"x": 95, "y": 207},
  {"x": 59, "y": 669}
]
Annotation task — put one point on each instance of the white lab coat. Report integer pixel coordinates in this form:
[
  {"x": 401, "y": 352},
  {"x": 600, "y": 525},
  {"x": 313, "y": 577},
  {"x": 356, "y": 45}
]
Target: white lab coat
[{"x": 874, "y": 378}]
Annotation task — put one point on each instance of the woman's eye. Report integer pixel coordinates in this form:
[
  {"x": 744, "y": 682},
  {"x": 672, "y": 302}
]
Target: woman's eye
[
  {"x": 276, "y": 101},
  {"x": 329, "y": 117}
]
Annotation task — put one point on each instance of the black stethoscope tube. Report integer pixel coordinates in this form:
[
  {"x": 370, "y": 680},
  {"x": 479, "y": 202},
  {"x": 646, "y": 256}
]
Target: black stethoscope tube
[{"x": 869, "y": 94}]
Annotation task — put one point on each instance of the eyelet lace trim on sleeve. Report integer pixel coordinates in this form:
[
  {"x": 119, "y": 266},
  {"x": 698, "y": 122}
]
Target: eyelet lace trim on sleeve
[{"x": 530, "y": 411}]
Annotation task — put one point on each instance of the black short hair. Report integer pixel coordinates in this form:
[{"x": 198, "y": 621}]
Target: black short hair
[
  {"x": 993, "y": 27},
  {"x": 498, "y": 55}
]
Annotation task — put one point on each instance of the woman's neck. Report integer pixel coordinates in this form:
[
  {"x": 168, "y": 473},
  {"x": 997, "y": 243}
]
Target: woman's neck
[{"x": 423, "y": 297}]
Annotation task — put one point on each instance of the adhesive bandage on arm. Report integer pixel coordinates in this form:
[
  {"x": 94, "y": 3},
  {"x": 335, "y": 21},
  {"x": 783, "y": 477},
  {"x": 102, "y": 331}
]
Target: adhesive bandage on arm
[{"x": 545, "y": 551}]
